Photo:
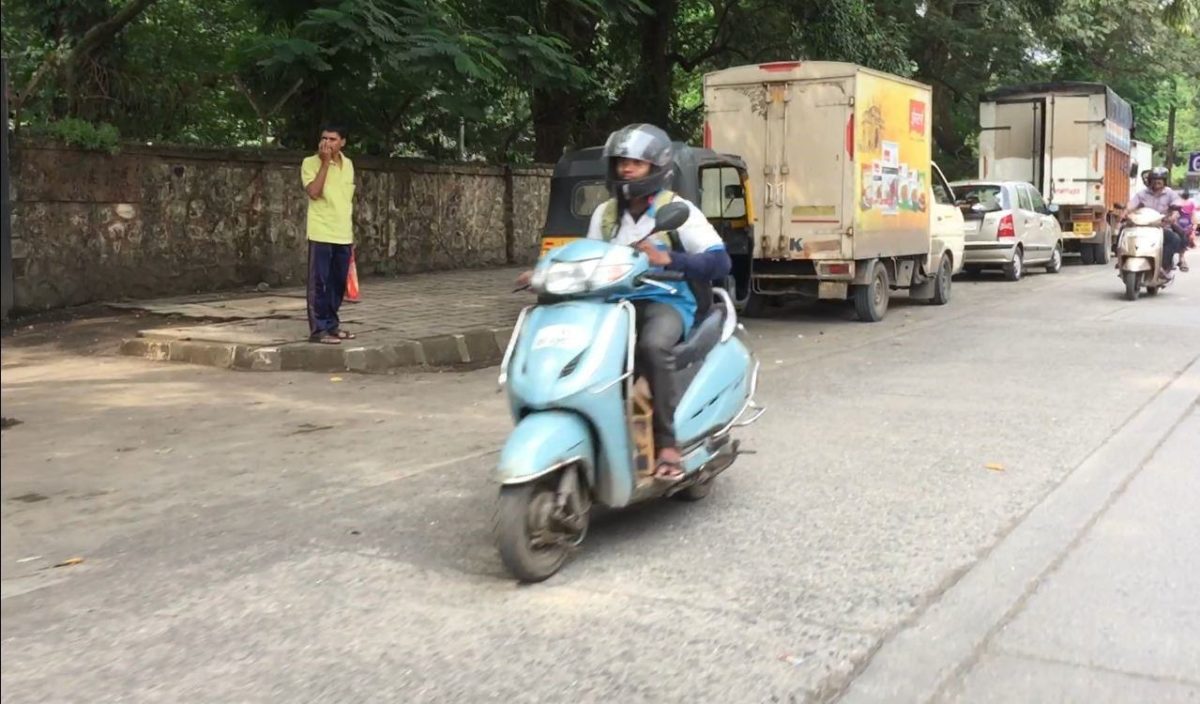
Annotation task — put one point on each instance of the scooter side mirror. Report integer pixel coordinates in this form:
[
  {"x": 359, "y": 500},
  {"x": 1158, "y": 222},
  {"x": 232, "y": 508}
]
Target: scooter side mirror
[
  {"x": 1053, "y": 208},
  {"x": 671, "y": 216},
  {"x": 1118, "y": 206}
]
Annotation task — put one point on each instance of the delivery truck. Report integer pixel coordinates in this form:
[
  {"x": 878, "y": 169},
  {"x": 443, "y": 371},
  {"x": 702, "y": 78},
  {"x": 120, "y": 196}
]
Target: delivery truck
[
  {"x": 1070, "y": 140},
  {"x": 850, "y": 203}
]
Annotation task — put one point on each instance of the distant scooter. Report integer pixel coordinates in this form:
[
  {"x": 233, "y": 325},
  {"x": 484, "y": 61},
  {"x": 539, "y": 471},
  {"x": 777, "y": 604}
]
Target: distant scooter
[
  {"x": 583, "y": 423},
  {"x": 1140, "y": 254}
]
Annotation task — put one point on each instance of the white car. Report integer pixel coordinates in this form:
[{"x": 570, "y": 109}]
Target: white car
[{"x": 1008, "y": 226}]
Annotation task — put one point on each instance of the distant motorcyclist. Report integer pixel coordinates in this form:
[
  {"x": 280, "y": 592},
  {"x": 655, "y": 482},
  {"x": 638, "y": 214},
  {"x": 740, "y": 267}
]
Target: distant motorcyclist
[
  {"x": 1157, "y": 196},
  {"x": 1187, "y": 219}
]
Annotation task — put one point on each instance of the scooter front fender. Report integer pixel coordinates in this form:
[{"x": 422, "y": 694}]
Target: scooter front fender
[
  {"x": 1136, "y": 264},
  {"x": 544, "y": 442}
]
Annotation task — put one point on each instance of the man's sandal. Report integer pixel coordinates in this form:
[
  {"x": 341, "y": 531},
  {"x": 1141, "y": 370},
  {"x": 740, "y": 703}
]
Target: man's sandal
[
  {"x": 343, "y": 335},
  {"x": 325, "y": 339}
]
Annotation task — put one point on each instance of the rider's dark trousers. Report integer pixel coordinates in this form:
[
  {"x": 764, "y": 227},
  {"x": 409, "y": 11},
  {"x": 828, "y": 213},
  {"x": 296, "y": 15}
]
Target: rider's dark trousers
[
  {"x": 1172, "y": 245},
  {"x": 659, "y": 329}
]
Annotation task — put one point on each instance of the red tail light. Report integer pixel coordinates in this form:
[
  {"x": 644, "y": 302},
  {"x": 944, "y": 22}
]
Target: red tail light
[
  {"x": 707, "y": 136},
  {"x": 1006, "y": 229}
]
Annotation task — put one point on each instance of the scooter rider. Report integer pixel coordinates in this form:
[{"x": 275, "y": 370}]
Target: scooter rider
[
  {"x": 640, "y": 171},
  {"x": 1167, "y": 202}
]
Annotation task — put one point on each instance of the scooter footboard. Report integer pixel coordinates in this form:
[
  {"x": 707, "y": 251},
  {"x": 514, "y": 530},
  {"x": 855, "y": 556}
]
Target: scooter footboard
[{"x": 544, "y": 442}]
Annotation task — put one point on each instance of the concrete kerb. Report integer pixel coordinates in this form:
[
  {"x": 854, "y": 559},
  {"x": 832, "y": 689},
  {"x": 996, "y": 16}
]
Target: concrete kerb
[
  {"x": 472, "y": 348},
  {"x": 917, "y": 661}
]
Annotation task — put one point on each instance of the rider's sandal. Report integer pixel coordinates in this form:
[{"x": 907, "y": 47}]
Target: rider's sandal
[{"x": 668, "y": 471}]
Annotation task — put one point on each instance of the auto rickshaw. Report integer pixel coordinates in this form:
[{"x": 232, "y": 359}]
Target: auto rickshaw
[{"x": 717, "y": 183}]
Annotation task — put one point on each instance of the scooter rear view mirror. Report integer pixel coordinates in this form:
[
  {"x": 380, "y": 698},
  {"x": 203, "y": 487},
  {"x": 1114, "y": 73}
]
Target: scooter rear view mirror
[{"x": 671, "y": 216}]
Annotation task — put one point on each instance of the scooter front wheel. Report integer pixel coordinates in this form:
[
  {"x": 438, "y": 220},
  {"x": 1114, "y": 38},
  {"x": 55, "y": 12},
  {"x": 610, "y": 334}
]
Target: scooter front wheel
[
  {"x": 531, "y": 547},
  {"x": 1132, "y": 285}
]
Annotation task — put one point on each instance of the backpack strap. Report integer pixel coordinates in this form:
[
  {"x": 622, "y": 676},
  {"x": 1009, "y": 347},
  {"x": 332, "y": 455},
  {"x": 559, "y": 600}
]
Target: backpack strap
[{"x": 609, "y": 216}]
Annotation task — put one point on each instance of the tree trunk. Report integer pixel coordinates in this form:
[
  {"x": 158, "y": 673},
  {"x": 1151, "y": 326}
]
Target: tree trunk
[
  {"x": 652, "y": 100},
  {"x": 1170, "y": 154},
  {"x": 555, "y": 111}
]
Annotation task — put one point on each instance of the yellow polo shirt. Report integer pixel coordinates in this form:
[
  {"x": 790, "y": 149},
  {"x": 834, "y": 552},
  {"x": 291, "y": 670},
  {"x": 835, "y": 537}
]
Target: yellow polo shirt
[{"x": 330, "y": 216}]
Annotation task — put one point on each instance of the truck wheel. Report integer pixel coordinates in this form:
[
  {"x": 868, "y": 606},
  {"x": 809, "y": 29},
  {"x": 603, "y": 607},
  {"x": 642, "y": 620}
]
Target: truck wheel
[
  {"x": 941, "y": 285},
  {"x": 1055, "y": 264},
  {"x": 755, "y": 306},
  {"x": 1087, "y": 254},
  {"x": 871, "y": 299},
  {"x": 1102, "y": 251},
  {"x": 1015, "y": 268}
]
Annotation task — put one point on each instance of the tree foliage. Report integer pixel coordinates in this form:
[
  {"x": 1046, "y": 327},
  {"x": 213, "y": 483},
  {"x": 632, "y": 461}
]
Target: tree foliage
[{"x": 524, "y": 79}]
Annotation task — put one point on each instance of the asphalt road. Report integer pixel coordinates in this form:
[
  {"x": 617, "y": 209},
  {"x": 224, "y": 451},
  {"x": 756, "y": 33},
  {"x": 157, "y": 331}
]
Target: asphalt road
[{"x": 306, "y": 538}]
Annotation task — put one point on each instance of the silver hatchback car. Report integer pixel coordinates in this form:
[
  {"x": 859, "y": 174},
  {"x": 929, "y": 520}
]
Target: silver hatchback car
[{"x": 1008, "y": 226}]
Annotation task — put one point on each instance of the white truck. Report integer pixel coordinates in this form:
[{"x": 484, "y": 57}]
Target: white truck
[
  {"x": 1072, "y": 142},
  {"x": 1142, "y": 156},
  {"x": 850, "y": 203}
]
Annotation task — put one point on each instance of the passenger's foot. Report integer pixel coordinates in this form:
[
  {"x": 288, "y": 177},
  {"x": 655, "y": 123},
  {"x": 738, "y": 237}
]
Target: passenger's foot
[{"x": 1183, "y": 267}]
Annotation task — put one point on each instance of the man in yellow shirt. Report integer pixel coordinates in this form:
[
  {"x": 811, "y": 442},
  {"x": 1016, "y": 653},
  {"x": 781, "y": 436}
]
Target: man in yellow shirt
[{"x": 328, "y": 178}]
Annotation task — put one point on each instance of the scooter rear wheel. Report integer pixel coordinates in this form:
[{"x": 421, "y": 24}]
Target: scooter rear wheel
[
  {"x": 530, "y": 547},
  {"x": 696, "y": 492}
]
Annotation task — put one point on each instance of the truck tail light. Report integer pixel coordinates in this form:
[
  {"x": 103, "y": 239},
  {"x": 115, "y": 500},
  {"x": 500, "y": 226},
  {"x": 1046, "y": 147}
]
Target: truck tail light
[
  {"x": 1006, "y": 228},
  {"x": 850, "y": 136},
  {"x": 838, "y": 269},
  {"x": 707, "y": 135}
]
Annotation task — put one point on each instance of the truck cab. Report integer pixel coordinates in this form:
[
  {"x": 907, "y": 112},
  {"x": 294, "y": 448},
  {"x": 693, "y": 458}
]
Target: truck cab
[{"x": 716, "y": 183}]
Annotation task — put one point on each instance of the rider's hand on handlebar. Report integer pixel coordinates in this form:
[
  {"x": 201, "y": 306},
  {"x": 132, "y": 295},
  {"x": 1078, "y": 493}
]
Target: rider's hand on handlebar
[
  {"x": 523, "y": 279},
  {"x": 656, "y": 256}
]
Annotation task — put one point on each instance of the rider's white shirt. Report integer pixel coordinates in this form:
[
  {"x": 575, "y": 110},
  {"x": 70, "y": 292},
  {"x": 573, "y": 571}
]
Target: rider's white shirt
[{"x": 696, "y": 235}]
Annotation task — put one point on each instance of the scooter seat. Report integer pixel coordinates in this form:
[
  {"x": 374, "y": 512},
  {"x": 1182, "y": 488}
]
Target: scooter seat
[{"x": 704, "y": 337}]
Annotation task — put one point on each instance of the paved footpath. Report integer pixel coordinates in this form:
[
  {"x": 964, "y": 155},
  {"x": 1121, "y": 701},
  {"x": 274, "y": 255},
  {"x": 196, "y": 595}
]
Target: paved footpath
[
  {"x": 435, "y": 319},
  {"x": 1094, "y": 597}
]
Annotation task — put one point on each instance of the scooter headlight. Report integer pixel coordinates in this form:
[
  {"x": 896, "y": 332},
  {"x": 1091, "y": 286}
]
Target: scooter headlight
[
  {"x": 564, "y": 278},
  {"x": 567, "y": 278}
]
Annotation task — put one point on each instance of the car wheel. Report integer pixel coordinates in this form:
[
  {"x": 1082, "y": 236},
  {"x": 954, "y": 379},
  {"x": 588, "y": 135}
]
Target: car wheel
[
  {"x": 1014, "y": 269},
  {"x": 1055, "y": 264}
]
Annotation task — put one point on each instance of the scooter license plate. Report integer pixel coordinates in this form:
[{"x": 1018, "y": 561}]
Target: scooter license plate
[
  {"x": 1083, "y": 228},
  {"x": 571, "y": 337}
]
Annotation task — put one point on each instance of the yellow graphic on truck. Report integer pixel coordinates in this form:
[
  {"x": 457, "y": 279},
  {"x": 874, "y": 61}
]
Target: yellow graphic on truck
[{"x": 892, "y": 182}]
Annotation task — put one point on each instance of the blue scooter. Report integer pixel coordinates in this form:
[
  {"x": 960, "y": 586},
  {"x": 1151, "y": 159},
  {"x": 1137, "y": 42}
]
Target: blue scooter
[{"x": 582, "y": 431}]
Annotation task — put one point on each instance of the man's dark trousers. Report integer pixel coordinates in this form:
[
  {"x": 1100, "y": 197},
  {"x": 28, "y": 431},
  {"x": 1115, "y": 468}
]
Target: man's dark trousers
[{"x": 328, "y": 267}]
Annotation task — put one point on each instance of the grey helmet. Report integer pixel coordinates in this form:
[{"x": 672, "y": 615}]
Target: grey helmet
[
  {"x": 646, "y": 143},
  {"x": 1159, "y": 172}
]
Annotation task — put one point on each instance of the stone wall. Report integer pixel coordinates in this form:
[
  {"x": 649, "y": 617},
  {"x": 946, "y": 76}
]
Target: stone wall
[{"x": 90, "y": 226}]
